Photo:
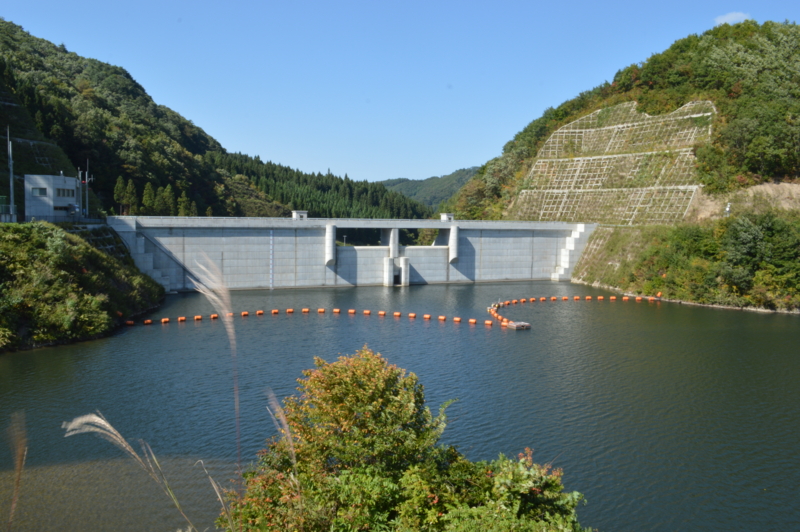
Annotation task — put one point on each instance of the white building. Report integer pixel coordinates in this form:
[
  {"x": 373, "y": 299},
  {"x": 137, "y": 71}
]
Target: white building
[{"x": 51, "y": 197}]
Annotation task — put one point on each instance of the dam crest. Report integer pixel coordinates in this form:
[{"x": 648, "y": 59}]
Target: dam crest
[{"x": 301, "y": 252}]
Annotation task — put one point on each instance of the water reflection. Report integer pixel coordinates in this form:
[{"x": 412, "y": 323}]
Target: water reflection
[{"x": 665, "y": 416}]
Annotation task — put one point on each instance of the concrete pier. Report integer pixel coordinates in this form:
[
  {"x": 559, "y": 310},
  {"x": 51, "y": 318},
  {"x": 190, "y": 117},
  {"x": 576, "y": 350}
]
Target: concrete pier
[{"x": 302, "y": 252}]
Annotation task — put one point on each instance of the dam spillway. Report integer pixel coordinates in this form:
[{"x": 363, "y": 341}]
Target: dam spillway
[{"x": 300, "y": 252}]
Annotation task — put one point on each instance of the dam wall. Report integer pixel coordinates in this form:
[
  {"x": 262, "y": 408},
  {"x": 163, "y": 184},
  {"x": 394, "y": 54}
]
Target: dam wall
[{"x": 301, "y": 252}]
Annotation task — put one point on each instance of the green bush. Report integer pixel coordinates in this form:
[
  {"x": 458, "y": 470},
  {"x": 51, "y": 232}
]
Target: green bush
[
  {"x": 360, "y": 452},
  {"x": 748, "y": 260},
  {"x": 54, "y": 287}
]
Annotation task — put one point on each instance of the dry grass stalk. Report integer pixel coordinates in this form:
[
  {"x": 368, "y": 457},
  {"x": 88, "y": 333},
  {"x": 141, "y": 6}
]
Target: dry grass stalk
[
  {"x": 19, "y": 446},
  {"x": 212, "y": 285},
  {"x": 97, "y": 424},
  {"x": 220, "y": 496},
  {"x": 282, "y": 424}
]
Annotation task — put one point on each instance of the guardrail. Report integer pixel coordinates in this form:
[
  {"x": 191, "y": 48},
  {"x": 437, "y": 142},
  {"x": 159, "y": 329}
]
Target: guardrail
[{"x": 69, "y": 219}]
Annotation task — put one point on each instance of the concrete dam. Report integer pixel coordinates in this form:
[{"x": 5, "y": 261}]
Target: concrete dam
[{"x": 301, "y": 252}]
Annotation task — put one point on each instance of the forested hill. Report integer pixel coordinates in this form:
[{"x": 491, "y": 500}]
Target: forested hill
[
  {"x": 434, "y": 190},
  {"x": 96, "y": 111},
  {"x": 750, "y": 71}
]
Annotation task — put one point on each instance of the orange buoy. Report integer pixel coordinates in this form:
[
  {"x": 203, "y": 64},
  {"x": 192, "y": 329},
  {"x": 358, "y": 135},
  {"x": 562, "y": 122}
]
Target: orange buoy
[
  {"x": 320, "y": 311},
  {"x": 554, "y": 298},
  {"x": 542, "y": 299},
  {"x": 473, "y": 321},
  {"x": 658, "y": 294},
  {"x": 259, "y": 312},
  {"x": 336, "y": 311},
  {"x": 381, "y": 313},
  {"x": 164, "y": 320},
  {"x": 245, "y": 314},
  {"x": 147, "y": 322},
  {"x": 651, "y": 299},
  {"x": 412, "y": 315},
  {"x": 488, "y": 322},
  {"x": 588, "y": 298},
  {"x": 181, "y": 318},
  {"x": 457, "y": 320},
  {"x": 503, "y": 324},
  {"x": 442, "y": 318},
  {"x": 613, "y": 298},
  {"x": 426, "y": 316},
  {"x": 508, "y": 302},
  {"x": 625, "y": 298},
  {"x": 638, "y": 299},
  {"x": 367, "y": 312},
  {"x": 577, "y": 298},
  {"x": 600, "y": 298},
  {"x": 522, "y": 300},
  {"x": 214, "y": 316},
  {"x": 275, "y": 311},
  {"x": 565, "y": 298},
  {"x": 198, "y": 318},
  {"x": 351, "y": 311},
  {"x": 305, "y": 311},
  {"x": 397, "y": 314},
  {"x": 514, "y": 301},
  {"x": 129, "y": 322},
  {"x": 230, "y": 314},
  {"x": 289, "y": 311}
]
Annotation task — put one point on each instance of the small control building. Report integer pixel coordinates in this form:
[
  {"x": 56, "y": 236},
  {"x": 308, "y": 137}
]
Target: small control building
[{"x": 51, "y": 197}]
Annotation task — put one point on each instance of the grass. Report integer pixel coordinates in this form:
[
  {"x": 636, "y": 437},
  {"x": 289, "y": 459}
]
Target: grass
[{"x": 211, "y": 285}]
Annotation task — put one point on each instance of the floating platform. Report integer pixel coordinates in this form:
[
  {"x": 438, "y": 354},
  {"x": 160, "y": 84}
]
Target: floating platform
[{"x": 518, "y": 325}]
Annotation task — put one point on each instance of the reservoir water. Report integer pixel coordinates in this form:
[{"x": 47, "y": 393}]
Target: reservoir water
[{"x": 665, "y": 416}]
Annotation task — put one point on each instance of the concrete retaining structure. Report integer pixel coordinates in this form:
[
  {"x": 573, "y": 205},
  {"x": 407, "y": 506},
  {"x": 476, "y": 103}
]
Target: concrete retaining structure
[{"x": 300, "y": 252}]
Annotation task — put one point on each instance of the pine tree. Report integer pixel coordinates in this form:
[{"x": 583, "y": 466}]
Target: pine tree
[
  {"x": 160, "y": 208},
  {"x": 169, "y": 201},
  {"x": 131, "y": 199},
  {"x": 193, "y": 209},
  {"x": 119, "y": 192},
  {"x": 183, "y": 205},
  {"x": 209, "y": 212},
  {"x": 148, "y": 199}
]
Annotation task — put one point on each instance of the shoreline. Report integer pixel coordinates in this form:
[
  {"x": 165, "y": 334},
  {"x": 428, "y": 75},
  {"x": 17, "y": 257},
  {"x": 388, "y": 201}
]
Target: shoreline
[
  {"x": 119, "y": 325},
  {"x": 616, "y": 289}
]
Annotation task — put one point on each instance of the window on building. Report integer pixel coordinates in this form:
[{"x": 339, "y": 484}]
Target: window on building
[
  {"x": 38, "y": 191},
  {"x": 65, "y": 192}
]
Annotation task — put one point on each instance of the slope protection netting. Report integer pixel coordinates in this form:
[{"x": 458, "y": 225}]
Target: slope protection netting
[{"x": 617, "y": 166}]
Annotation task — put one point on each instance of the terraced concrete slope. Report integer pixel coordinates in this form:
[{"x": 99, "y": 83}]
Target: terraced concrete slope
[{"x": 617, "y": 166}]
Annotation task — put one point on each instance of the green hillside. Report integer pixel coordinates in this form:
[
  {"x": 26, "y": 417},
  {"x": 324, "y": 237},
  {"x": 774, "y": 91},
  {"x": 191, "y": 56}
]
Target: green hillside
[
  {"x": 90, "y": 109},
  {"x": 434, "y": 190},
  {"x": 751, "y": 73},
  {"x": 55, "y": 287}
]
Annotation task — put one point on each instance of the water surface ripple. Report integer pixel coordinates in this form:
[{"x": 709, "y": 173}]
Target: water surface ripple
[{"x": 666, "y": 417}]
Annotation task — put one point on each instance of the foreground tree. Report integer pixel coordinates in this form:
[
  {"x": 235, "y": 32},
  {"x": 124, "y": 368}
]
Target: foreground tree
[{"x": 359, "y": 452}]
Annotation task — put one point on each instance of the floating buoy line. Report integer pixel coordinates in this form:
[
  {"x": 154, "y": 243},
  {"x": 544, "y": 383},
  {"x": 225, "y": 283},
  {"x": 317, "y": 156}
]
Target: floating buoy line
[{"x": 492, "y": 309}]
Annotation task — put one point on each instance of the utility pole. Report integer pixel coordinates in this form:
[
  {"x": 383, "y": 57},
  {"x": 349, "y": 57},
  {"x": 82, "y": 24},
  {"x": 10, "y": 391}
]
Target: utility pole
[
  {"x": 12, "y": 211},
  {"x": 87, "y": 188},
  {"x": 79, "y": 198}
]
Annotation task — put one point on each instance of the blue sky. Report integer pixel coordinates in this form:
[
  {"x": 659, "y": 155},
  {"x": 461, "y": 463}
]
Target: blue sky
[{"x": 376, "y": 90}]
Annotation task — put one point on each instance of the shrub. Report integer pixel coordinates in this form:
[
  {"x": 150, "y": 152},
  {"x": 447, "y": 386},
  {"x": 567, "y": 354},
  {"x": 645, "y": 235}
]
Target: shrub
[{"x": 360, "y": 452}]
